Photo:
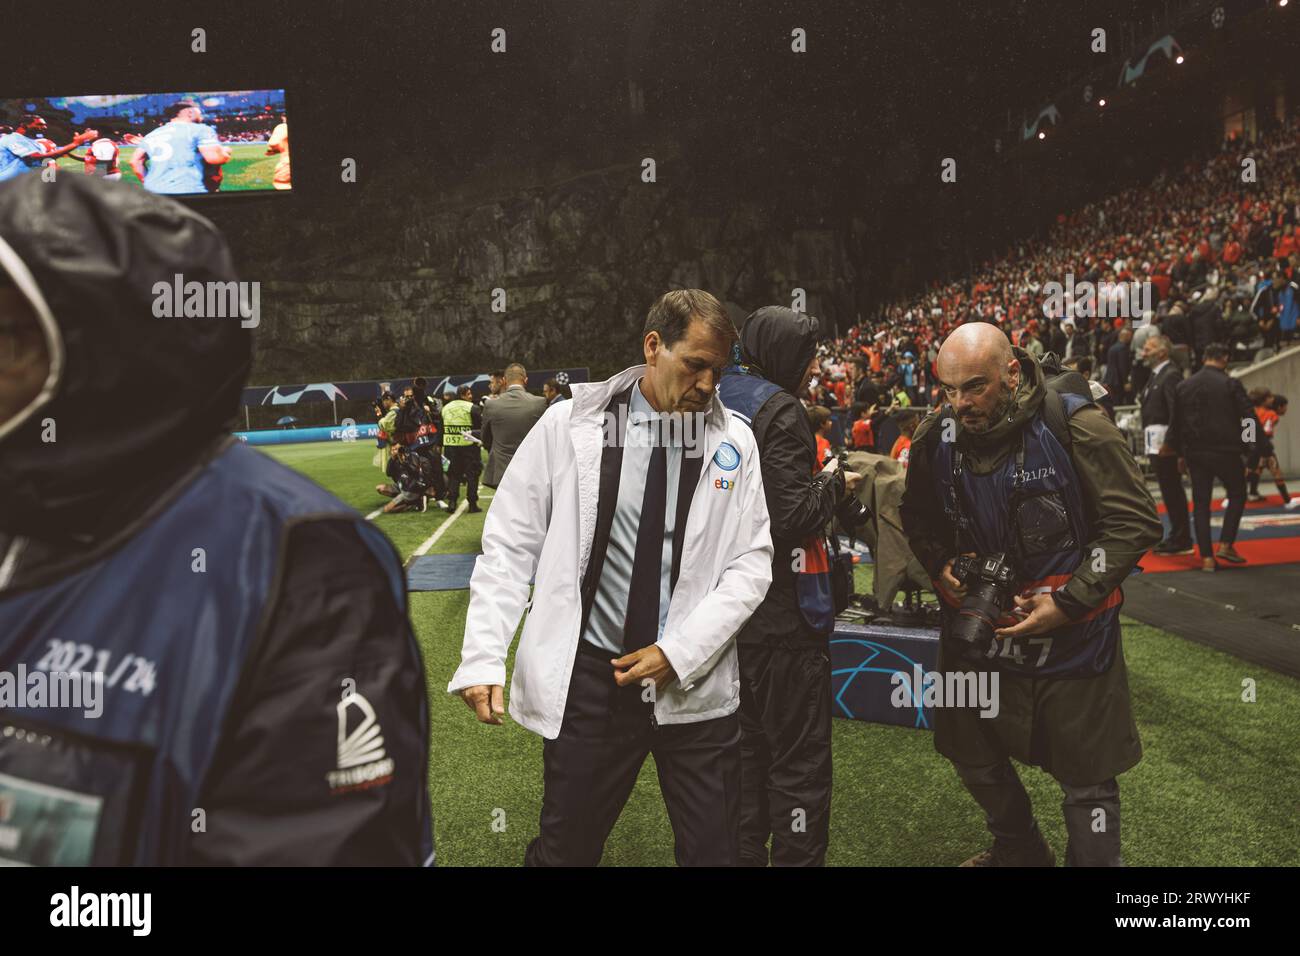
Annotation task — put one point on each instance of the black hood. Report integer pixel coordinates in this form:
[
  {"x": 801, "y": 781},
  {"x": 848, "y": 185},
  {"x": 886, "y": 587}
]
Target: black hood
[
  {"x": 779, "y": 343},
  {"x": 134, "y": 398}
]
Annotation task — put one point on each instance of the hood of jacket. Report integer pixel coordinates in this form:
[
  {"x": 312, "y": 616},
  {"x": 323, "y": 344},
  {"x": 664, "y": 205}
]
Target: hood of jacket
[
  {"x": 133, "y": 399},
  {"x": 778, "y": 343}
]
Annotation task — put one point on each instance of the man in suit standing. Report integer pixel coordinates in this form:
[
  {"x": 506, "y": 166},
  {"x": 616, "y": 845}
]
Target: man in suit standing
[
  {"x": 507, "y": 419},
  {"x": 1119, "y": 365},
  {"x": 1158, "y": 406},
  {"x": 1206, "y": 321},
  {"x": 669, "y": 537},
  {"x": 1213, "y": 419}
]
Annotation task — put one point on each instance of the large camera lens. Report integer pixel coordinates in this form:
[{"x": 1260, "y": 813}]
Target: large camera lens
[
  {"x": 977, "y": 614},
  {"x": 853, "y": 514},
  {"x": 989, "y": 588}
]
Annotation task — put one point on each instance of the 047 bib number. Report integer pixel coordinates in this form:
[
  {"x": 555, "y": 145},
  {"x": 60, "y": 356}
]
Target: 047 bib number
[{"x": 1031, "y": 651}]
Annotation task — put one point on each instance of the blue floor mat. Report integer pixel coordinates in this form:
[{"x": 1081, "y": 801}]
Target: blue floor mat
[{"x": 440, "y": 572}]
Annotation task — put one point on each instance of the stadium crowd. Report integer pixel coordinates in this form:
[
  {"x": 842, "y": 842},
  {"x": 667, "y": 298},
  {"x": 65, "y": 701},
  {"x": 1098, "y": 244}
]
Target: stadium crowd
[{"x": 1213, "y": 246}]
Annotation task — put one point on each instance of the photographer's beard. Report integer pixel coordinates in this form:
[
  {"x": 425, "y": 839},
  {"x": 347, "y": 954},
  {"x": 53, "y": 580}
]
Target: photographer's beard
[{"x": 1001, "y": 409}]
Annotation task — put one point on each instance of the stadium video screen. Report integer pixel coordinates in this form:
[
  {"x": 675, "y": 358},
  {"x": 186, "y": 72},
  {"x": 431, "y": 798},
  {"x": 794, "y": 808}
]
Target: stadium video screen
[{"x": 182, "y": 143}]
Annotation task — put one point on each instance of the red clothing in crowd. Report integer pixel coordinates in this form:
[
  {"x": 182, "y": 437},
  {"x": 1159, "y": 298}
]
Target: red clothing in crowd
[
  {"x": 902, "y": 449},
  {"x": 1267, "y": 419},
  {"x": 824, "y": 453},
  {"x": 863, "y": 436}
]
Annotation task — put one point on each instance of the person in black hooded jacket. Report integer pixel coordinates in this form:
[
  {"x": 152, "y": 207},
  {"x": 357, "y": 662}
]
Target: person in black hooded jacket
[
  {"x": 785, "y": 681},
  {"x": 262, "y": 697}
]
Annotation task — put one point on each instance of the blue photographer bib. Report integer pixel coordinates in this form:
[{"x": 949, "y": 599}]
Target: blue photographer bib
[{"x": 1031, "y": 508}]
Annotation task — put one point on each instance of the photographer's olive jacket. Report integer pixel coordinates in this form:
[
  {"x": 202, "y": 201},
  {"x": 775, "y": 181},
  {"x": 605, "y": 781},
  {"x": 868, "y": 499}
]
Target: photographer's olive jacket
[
  {"x": 543, "y": 523},
  {"x": 1080, "y": 729}
]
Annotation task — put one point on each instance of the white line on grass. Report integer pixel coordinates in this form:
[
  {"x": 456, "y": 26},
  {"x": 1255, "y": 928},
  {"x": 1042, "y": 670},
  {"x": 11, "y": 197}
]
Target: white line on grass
[
  {"x": 378, "y": 511},
  {"x": 433, "y": 538}
]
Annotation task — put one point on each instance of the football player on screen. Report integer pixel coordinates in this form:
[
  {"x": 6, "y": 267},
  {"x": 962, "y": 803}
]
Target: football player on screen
[
  {"x": 27, "y": 149},
  {"x": 181, "y": 156}
]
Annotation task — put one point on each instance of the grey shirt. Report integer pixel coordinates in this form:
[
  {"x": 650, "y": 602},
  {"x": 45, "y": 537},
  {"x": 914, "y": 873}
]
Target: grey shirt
[{"x": 605, "y": 625}]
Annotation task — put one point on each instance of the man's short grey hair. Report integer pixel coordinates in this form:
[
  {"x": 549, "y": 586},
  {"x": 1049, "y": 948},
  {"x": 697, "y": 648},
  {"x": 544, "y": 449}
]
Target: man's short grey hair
[{"x": 1161, "y": 343}]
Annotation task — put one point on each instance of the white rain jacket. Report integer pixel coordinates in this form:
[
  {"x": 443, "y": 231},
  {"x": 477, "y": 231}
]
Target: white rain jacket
[{"x": 542, "y": 522}]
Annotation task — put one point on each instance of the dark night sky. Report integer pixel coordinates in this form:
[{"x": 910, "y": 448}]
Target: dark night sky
[
  {"x": 887, "y": 88},
  {"x": 383, "y": 77}
]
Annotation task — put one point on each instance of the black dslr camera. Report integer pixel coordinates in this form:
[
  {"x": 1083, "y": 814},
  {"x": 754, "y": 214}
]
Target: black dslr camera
[
  {"x": 851, "y": 512},
  {"x": 990, "y": 584}
]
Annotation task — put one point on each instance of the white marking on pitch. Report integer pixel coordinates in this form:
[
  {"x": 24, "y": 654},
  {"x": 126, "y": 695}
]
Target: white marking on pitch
[
  {"x": 378, "y": 511},
  {"x": 433, "y": 538}
]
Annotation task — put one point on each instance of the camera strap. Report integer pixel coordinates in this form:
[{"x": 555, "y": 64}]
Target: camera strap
[{"x": 1017, "y": 494}]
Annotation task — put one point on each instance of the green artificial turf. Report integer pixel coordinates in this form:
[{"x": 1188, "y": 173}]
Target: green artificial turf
[
  {"x": 1218, "y": 785},
  {"x": 249, "y": 166}
]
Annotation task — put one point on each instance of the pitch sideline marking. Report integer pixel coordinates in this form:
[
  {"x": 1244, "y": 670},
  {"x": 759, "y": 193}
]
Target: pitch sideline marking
[
  {"x": 378, "y": 511},
  {"x": 433, "y": 538}
]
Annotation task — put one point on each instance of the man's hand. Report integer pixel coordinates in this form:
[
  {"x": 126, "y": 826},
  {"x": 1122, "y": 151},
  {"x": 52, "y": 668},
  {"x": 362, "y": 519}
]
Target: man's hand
[
  {"x": 948, "y": 582},
  {"x": 646, "y": 662},
  {"x": 85, "y": 136},
  {"x": 487, "y": 702},
  {"x": 851, "y": 481},
  {"x": 1044, "y": 616}
]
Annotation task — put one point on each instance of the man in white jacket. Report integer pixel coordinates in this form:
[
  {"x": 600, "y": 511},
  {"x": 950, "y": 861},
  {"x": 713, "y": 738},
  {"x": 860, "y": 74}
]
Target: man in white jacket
[{"x": 638, "y": 506}]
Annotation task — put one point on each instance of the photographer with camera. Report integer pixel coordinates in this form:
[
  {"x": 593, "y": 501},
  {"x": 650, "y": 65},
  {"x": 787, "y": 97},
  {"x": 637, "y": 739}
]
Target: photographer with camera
[
  {"x": 785, "y": 672},
  {"x": 1024, "y": 475},
  {"x": 412, "y": 480},
  {"x": 414, "y": 430}
]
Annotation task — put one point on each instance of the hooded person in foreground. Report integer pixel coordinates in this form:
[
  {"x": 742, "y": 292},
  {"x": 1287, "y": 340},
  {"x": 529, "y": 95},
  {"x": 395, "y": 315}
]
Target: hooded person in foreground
[
  {"x": 785, "y": 666},
  {"x": 260, "y": 694},
  {"x": 1018, "y": 466}
]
